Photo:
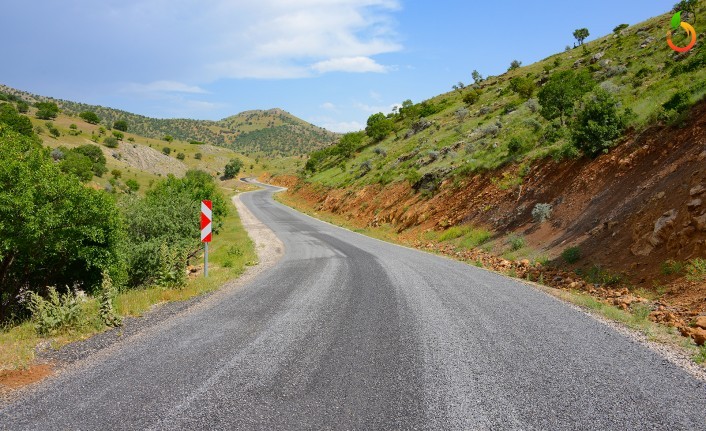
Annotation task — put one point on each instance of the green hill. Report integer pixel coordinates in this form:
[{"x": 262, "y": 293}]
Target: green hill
[{"x": 272, "y": 132}]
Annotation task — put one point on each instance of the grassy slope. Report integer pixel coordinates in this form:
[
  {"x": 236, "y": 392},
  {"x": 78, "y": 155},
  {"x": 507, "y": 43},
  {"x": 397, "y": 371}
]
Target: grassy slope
[{"x": 638, "y": 77}]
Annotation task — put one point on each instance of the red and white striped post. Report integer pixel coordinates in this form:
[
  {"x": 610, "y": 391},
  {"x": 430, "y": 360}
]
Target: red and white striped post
[{"x": 206, "y": 217}]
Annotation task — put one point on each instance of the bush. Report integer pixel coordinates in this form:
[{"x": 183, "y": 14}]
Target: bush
[
  {"x": 90, "y": 117},
  {"x": 679, "y": 102},
  {"x": 132, "y": 185},
  {"x": 571, "y": 255},
  {"x": 198, "y": 156},
  {"x": 46, "y": 110},
  {"x": 696, "y": 269},
  {"x": 116, "y": 173},
  {"x": 22, "y": 107},
  {"x": 671, "y": 267},
  {"x": 232, "y": 169},
  {"x": 181, "y": 156},
  {"x": 412, "y": 176},
  {"x": 197, "y": 143},
  {"x": 77, "y": 164},
  {"x": 108, "y": 292},
  {"x": 541, "y": 212},
  {"x": 110, "y": 142},
  {"x": 120, "y": 125},
  {"x": 63, "y": 233},
  {"x": 523, "y": 86},
  {"x": 559, "y": 95},
  {"x": 471, "y": 97},
  {"x": 515, "y": 146},
  {"x": 597, "y": 125},
  {"x": 156, "y": 251},
  {"x": 168, "y": 138},
  {"x": 118, "y": 135},
  {"x": 19, "y": 123},
  {"x": 54, "y": 313},
  {"x": 166, "y": 151},
  {"x": 475, "y": 238},
  {"x": 94, "y": 153},
  {"x": 516, "y": 242},
  {"x": 515, "y": 64}
]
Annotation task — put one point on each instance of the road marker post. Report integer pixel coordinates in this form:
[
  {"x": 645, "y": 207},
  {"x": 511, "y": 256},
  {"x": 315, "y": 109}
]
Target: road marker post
[{"x": 206, "y": 218}]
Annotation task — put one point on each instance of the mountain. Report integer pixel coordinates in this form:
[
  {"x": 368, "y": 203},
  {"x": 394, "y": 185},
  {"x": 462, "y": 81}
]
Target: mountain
[
  {"x": 273, "y": 132},
  {"x": 590, "y": 160}
]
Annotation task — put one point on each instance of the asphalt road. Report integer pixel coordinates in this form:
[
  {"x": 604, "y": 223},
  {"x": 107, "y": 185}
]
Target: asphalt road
[{"x": 347, "y": 332}]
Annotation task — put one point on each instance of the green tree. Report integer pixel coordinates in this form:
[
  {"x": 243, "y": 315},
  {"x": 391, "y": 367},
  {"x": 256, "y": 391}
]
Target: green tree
[
  {"x": 166, "y": 151},
  {"x": 77, "y": 164},
  {"x": 524, "y": 86},
  {"x": 95, "y": 154},
  {"x": 477, "y": 77},
  {"x": 580, "y": 34},
  {"x": 62, "y": 233},
  {"x": 598, "y": 124},
  {"x": 198, "y": 156},
  {"x": 120, "y": 125},
  {"x": 232, "y": 168},
  {"x": 515, "y": 64},
  {"x": 46, "y": 110},
  {"x": 378, "y": 126},
  {"x": 90, "y": 117},
  {"x": 181, "y": 156},
  {"x": 349, "y": 143},
  {"x": 18, "y": 123},
  {"x": 168, "y": 138},
  {"x": 559, "y": 95}
]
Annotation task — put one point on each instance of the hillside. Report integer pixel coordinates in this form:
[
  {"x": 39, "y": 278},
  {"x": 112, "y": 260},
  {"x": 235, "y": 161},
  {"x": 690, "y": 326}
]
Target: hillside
[
  {"x": 608, "y": 188},
  {"x": 273, "y": 132}
]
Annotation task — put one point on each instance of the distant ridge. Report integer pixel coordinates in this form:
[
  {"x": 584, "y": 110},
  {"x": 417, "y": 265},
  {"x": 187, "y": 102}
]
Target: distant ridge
[{"x": 272, "y": 132}]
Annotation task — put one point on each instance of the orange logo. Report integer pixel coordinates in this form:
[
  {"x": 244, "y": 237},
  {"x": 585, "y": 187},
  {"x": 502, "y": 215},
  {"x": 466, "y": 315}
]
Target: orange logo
[{"x": 690, "y": 33}]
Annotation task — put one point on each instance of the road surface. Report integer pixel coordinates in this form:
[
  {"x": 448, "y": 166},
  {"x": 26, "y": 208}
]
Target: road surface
[{"x": 347, "y": 332}]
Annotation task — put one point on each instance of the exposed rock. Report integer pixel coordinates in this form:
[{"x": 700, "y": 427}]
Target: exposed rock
[
  {"x": 699, "y": 222},
  {"x": 695, "y": 203},
  {"x": 697, "y": 190},
  {"x": 662, "y": 224},
  {"x": 699, "y": 336},
  {"x": 700, "y": 322},
  {"x": 596, "y": 57}
]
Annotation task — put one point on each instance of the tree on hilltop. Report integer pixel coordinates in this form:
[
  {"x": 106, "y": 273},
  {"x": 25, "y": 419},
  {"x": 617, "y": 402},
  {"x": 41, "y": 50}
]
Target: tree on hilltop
[{"x": 581, "y": 34}]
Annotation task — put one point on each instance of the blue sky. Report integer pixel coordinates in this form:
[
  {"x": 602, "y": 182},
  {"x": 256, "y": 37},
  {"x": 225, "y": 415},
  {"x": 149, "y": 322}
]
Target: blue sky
[{"x": 330, "y": 62}]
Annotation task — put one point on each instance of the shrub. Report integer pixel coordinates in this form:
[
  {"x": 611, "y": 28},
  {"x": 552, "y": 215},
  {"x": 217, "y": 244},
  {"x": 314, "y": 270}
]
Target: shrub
[
  {"x": 696, "y": 269},
  {"x": 46, "y": 110},
  {"x": 516, "y": 242},
  {"x": 116, "y": 173},
  {"x": 679, "y": 102},
  {"x": 620, "y": 28},
  {"x": 94, "y": 153},
  {"x": 232, "y": 168},
  {"x": 412, "y": 176},
  {"x": 22, "y": 107},
  {"x": 597, "y": 125},
  {"x": 110, "y": 142},
  {"x": 108, "y": 292},
  {"x": 118, "y": 135},
  {"x": 90, "y": 117},
  {"x": 380, "y": 152},
  {"x": 197, "y": 143},
  {"x": 181, "y": 156},
  {"x": 541, "y": 212},
  {"x": 120, "y": 125},
  {"x": 54, "y": 132},
  {"x": 475, "y": 238},
  {"x": 671, "y": 267},
  {"x": 366, "y": 167},
  {"x": 515, "y": 145},
  {"x": 559, "y": 95},
  {"x": 199, "y": 156},
  {"x": 132, "y": 185},
  {"x": 461, "y": 114},
  {"x": 166, "y": 151},
  {"x": 571, "y": 255},
  {"x": 54, "y": 313},
  {"x": 168, "y": 138},
  {"x": 471, "y": 96},
  {"x": 56, "y": 154},
  {"x": 523, "y": 86}
]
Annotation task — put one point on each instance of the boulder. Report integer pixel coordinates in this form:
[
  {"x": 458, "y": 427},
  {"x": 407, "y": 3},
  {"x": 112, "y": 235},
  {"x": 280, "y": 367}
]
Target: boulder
[
  {"x": 697, "y": 190},
  {"x": 700, "y": 322},
  {"x": 699, "y": 336}
]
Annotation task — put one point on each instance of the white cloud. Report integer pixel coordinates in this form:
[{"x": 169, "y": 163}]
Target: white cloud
[
  {"x": 374, "y": 109},
  {"x": 343, "y": 126},
  {"x": 164, "y": 87},
  {"x": 328, "y": 106},
  {"x": 349, "y": 64}
]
